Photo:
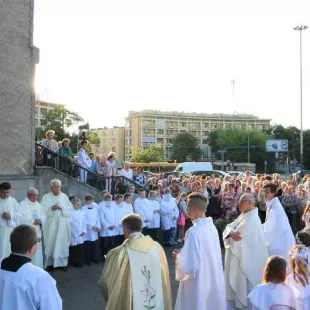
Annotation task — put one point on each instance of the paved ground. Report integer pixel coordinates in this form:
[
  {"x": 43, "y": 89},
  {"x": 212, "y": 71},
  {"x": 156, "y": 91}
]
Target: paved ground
[{"x": 79, "y": 291}]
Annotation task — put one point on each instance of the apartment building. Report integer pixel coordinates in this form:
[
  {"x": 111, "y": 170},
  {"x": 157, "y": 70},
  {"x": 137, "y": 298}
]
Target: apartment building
[
  {"x": 41, "y": 107},
  {"x": 111, "y": 140},
  {"x": 159, "y": 127}
]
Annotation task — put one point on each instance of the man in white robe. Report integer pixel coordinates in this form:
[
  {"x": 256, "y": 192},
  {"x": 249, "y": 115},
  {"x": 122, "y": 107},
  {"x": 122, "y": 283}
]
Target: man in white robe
[
  {"x": 199, "y": 264},
  {"x": 245, "y": 254},
  {"x": 56, "y": 231},
  {"x": 9, "y": 210},
  {"x": 32, "y": 214},
  {"x": 278, "y": 232},
  {"x": 84, "y": 161},
  {"x": 23, "y": 285}
]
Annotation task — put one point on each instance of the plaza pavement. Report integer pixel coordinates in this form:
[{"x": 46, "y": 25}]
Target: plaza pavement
[{"x": 79, "y": 291}]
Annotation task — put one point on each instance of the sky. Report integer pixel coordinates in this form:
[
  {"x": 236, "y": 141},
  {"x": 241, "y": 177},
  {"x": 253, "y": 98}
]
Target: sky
[{"x": 102, "y": 58}]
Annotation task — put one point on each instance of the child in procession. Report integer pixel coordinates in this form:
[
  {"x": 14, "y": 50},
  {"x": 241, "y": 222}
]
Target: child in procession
[
  {"x": 78, "y": 230},
  {"x": 91, "y": 245}
]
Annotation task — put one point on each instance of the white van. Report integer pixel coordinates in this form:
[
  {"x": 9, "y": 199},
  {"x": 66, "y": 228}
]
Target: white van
[{"x": 189, "y": 167}]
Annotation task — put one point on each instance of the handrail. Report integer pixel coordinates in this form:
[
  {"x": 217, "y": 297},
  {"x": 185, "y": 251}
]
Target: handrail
[{"x": 115, "y": 185}]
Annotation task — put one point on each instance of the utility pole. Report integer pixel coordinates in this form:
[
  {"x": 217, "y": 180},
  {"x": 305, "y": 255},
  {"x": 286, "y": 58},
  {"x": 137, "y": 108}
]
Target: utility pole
[{"x": 300, "y": 29}]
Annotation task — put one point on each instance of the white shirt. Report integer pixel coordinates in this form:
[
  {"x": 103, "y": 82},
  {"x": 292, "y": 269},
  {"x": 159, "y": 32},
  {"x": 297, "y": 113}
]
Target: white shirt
[
  {"x": 92, "y": 219},
  {"x": 107, "y": 219},
  {"x": 30, "y": 288},
  {"x": 199, "y": 269},
  {"x": 83, "y": 159},
  {"x": 121, "y": 210},
  {"x": 168, "y": 212},
  {"x": 127, "y": 173},
  {"x": 155, "y": 207},
  {"x": 78, "y": 226},
  {"x": 142, "y": 207}
]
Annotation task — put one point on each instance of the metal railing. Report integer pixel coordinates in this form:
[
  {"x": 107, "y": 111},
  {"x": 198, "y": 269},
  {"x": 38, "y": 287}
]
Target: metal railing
[{"x": 115, "y": 185}]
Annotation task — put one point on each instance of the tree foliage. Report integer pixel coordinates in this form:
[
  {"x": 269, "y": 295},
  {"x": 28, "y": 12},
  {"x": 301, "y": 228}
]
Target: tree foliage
[
  {"x": 185, "y": 146},
  {"x": 153, "y": 153},
  {"x": 59, "y": 119},
  {"x": 236, "y": 142}
]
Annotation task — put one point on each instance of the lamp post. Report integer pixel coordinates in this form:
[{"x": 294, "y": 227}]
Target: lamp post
[{"x": 300, "y": 29}]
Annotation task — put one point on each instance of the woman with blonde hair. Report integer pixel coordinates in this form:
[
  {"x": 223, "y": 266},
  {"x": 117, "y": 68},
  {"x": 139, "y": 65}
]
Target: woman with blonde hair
[
  {"x": 274, "y": 291},
  {"x": 299, "y": 277},
  {"x": 50, "y": 145}
]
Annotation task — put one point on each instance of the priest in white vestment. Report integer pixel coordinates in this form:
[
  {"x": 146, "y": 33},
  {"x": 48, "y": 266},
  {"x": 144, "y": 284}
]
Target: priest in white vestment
[
  {"x": 9, "y": 211},
  {"x": 199, "y": 264},
  {"x": 56, "y": 231},
  {"x": 136, "y": 274},
  {"x": 24, "y": 286},
  {"x": 278, "y": 232},
  {"x": 245, "y": 254},
  {"x": 32, "y": 214}
]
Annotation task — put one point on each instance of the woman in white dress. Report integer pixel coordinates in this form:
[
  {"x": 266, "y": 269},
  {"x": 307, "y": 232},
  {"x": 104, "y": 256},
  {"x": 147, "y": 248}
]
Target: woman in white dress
[
  {"x": 299, "y": 278},
  {"x": 274, "y": 292}
]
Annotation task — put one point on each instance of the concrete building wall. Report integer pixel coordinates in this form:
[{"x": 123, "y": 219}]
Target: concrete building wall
[{"x": 17, "y": 63}]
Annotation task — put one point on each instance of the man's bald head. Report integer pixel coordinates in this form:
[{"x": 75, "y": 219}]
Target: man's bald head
[{"x": 198, "y": 201}]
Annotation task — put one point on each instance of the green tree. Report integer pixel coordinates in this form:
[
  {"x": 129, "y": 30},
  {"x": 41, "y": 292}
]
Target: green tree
[
  {"x": 92, "y": 138},
  {"x": 236, "y": 141},
  {"x": 185, "y": 145},
  {"x": 153, "y": 153},
  {"x": 59, "y": 119}
]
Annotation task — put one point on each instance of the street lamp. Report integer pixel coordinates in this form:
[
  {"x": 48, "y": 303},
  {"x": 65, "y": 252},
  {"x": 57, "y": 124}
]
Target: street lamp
[{"x": 300, "y": 29}]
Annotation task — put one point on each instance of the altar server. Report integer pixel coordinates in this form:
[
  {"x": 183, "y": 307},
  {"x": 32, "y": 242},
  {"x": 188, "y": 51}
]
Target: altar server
[{"x": 23, "y": 285}]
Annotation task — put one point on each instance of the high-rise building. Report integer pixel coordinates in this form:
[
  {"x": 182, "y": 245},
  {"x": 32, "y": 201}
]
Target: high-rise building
[
  {"x": 111, "y": 140},
  {"x": 159, "y": 127},
  {"x": 41, "y": 107}
]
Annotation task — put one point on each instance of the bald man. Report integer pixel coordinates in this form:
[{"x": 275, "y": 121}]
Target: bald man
[{"x": 199, "y": 264}]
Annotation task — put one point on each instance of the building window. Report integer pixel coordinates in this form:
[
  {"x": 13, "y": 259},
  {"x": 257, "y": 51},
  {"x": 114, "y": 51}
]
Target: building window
[
  {"x": 183, "y": 124},
  {"x": 214, "y": 126},
  {"x": 159, "y": 123},
  {"x": 205, "y": 125},
  {"x": 205, "y": 141},
  {"x": 168, "y": 141},
  {"x": 169, "y": 132},
  {"x": 261, "y": 127},
  {"x": 160, "y": 131}
]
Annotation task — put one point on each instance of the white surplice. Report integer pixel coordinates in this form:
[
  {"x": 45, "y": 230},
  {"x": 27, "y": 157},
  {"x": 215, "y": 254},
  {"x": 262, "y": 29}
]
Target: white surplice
[
  {"x": 121, "y": 210},
  {"x": 107, "y": 219},
  {"x": 56, "y": 231},
  {"x": 77, "y": 226},
  {"x": 92, "y": 219},
  {"x": 241, "y": 256},
  {"x": 143, "y": 208},
  {"x": 264, "y": 296},
  {"x": 167, "y": 210},
  {"x": 6, "y": 226},
  {"x": 303, "y": 295},
  {"x": 29, "y": 288},
  {"x": 278, "y": 232},
  {"x": 199, "y": 269},
  {"x": 155, "y": 207},
  {"x": 31, "y": 211}
]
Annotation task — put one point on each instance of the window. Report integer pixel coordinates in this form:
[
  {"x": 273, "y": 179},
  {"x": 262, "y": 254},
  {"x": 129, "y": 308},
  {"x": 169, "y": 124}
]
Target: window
[
  {"x": 183, "y": 124},
  {"x": 159, "y": 123},
  {"x": 205, "y": 141},
  {"x": 168, "y": 141},
  {"x": 205, "y": 125},
  {"x": 169, "y": 132},
  {"x": 160, "y": 131},
  {"x": 214, "y": 126},
  {"x": 205, "y": 133}
]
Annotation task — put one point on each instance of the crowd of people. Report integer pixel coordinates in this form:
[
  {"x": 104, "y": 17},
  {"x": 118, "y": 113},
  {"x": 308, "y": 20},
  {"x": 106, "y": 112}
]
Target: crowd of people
[{"x": 266, "y": 240}]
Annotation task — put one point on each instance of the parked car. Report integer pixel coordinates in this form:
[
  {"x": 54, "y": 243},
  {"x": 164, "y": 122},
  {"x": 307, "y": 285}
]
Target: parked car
[
  {"x": 239, "y": 173},
  {"x": 216, "y": 173}
]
